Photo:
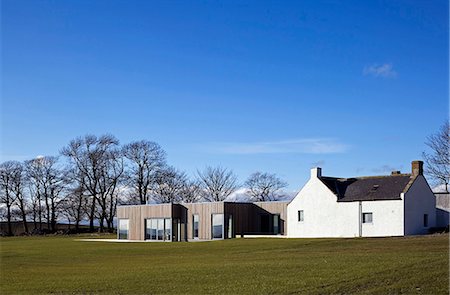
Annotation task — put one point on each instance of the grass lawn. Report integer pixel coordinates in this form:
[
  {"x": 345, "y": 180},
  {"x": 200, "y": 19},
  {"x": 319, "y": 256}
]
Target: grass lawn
[{"x": 412, "y": 265}]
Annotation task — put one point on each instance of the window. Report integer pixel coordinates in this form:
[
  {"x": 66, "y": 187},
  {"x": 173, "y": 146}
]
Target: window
[
  {"x": 195, "y": 224},
  {"x": 230, "y": 227},
  {"x": 167, "y": 229},
  {"x": 217, "y": 226},
  {"x": 367, "y": 217},
  {"x": 425, "y": 220},
  {"x": 300, "y": 215},
  {"x": 276, "y": 224},
  {"x": 158, "y": 229},
  {"x": 123, "y": 229}
]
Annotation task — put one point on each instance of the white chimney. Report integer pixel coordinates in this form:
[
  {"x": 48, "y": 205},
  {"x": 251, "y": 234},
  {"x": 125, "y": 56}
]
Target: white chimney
[{"x": 316, "y": 172}]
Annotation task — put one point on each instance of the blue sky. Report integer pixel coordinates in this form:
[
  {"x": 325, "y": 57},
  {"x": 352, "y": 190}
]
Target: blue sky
[{"x": 352, "y": 86}]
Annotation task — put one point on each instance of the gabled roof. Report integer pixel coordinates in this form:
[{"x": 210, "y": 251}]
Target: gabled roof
[{"x": 369, "y": 188}]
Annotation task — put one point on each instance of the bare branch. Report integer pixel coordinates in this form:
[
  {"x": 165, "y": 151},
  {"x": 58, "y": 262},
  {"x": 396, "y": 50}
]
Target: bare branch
[
  {"x": 264, "y": 186},
  {"x": 217, "y": 183},
  {"x": 438, "y": 159}
]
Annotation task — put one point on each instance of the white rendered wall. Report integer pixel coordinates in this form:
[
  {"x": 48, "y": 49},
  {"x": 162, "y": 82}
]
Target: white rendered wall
[
  {"x": 387, "y": 218},
  {"x": 419, "y": 200},
  {"x": 323, "y": 215}
]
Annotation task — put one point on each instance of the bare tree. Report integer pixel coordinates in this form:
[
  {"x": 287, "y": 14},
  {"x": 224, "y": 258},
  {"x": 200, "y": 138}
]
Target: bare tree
[
  {"x": 48, "y": 182},
  {"x": 7, "y": 196},
  {"x": 18, "y": 180},
  {"x": 264, "y": 186},
  {"x": 89, "y": 156},
  {"x": 438, "y": 160},
  {"x": 145, "y": 158},
  {"x": 111, "y": 177},
  {"x": 114, "y": 199},
  {"x": 169, "y": 185},
  {"x": 191, "y": 191},
  {"x": 34, "y": 179},
  {"x": 74, "y": 206},
  {"x": 217, "y": 183}
]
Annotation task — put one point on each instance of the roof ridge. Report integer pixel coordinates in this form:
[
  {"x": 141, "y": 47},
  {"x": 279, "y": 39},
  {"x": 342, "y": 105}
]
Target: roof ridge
[{"x": 365, "y": 177}]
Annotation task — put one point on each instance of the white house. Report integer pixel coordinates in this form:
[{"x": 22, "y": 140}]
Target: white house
[{"x": 392, "y": 205}]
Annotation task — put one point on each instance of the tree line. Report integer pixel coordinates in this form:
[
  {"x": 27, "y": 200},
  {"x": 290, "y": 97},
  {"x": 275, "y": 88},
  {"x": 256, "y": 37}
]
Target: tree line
[{"x": 93, "y": 174}]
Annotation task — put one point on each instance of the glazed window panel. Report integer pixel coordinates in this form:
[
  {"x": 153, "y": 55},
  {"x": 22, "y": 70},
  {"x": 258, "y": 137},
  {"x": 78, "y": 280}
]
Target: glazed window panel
[
  {"x": 158, "y": 229},
  {"x": 168, "y": 229},
  {"x": 217, "y": 226},
  {"x": 123, "y": 229},
  {"x": 195, "y": 225}
]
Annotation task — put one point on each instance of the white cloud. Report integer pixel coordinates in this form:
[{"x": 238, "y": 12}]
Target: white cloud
[
  {"x": 385, "y": 70},
  {"x": 300, "y": 146}
]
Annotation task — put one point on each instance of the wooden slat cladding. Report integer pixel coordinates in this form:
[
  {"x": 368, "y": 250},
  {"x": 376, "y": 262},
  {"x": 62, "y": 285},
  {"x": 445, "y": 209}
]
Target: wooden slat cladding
[
  {"x": 204, "y": 210},
  {"x": 133, "y": 214},
  {"x": 136, "y": 216},
  {"x": 246, "y": 217}
]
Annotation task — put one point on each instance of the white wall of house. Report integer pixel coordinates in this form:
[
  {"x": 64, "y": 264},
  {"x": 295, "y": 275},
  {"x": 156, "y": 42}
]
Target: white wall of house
[
  {"x": 419, "y": 200},
  {"x": 387, "y": 218},
  {"x": 323, "y": 215}
]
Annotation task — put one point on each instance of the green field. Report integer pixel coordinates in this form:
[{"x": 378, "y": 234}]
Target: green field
[{"x": 413, "y": 265}]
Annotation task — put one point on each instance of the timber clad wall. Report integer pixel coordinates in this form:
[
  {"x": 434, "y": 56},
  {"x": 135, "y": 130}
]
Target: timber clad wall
[
  {"x": 204, "y": 211},
  {"x": 246, "y": 217},
  {"x": 136, "y": 216}
]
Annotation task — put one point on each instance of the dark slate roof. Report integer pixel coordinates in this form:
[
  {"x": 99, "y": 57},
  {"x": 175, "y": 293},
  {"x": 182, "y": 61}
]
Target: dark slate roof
[{"x": 368, "y": 188}]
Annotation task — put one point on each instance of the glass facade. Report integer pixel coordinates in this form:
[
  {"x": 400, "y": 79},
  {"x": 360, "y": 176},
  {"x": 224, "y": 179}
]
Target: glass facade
[
  {"x": 217, "y": 226},
  {"x": 123, "y": 229},
  {"x": 276, "y": 224},
  {"x": 168, "y": 229},
  {"x": 230, "y": 227},
  {"x": 158, "y": 229},
  {"x": 195, "y": 225}
]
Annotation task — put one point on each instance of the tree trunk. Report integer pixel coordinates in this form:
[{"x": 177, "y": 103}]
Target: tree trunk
[
  {"x": 9, "y": 220},
  {"x": 92, "y": 216},
  {"x": 77, "y": 219},
  {"x": 40, "y": 213},
  {"x": 24, "y": 215},
  {"x": 34, "y": 220},
  {"x": 102, "y": 219},
  {"x": 47, "y": 205},
  {"x": 53, "y": 216},
  {"x": 25, "y": 224}
]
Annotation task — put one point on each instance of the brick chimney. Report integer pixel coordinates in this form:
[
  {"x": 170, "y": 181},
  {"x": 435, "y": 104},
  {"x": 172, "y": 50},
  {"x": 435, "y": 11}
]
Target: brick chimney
[
  {"x": 417, "y": 168},
  {"x": 316, "y": 172}
]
